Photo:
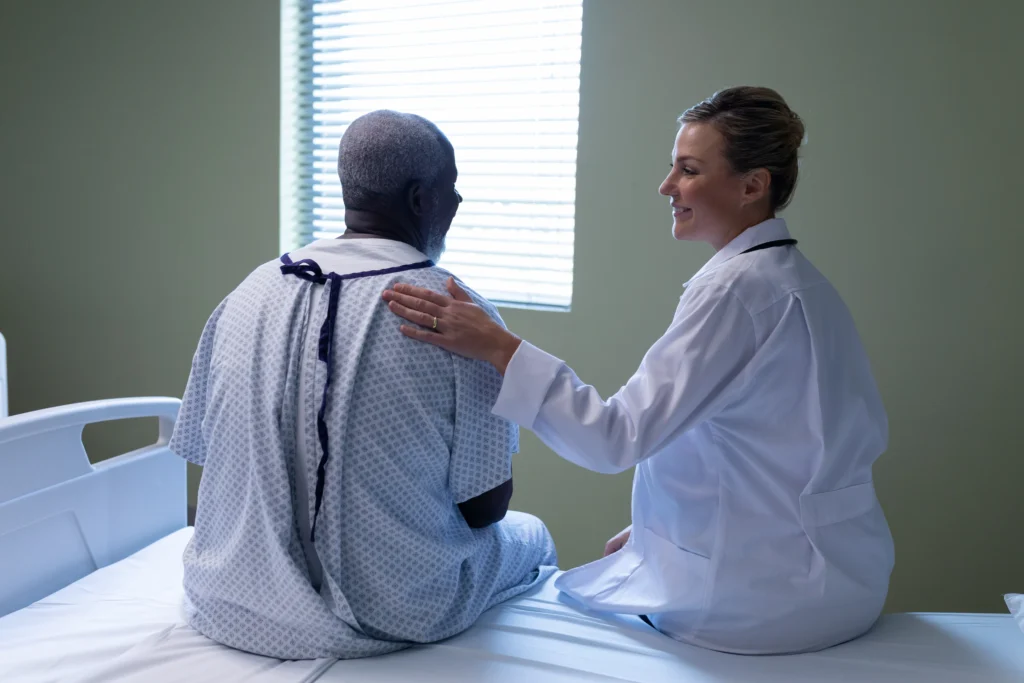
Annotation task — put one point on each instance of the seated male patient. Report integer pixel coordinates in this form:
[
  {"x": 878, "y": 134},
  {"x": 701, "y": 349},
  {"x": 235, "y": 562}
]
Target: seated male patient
[{"x": 355, "y": 484}]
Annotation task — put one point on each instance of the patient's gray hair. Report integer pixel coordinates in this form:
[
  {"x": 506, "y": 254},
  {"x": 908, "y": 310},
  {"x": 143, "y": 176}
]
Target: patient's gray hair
[{"x": 382, "y": 152}]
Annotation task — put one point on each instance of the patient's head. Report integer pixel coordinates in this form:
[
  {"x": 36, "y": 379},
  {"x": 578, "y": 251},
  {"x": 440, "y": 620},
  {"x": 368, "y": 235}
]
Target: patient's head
[{"x": 398, "y": 177}]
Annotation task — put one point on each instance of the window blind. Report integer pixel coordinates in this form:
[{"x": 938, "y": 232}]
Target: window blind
[{"x": 501, "y": 79}]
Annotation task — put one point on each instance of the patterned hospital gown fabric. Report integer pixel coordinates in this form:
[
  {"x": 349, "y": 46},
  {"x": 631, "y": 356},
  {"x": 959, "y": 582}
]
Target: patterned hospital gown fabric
[{"x": 411, "y": 434}]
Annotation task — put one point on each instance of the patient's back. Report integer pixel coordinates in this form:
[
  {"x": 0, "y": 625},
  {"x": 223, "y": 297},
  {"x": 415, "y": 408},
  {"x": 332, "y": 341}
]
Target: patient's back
[
  {"x": 410, "y": 435},
  {"x": 411, "y": 426}
]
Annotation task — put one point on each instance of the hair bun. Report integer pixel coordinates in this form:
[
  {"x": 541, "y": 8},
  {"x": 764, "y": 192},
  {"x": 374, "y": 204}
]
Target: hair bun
[
  {"x": 760, "y": 131},
  {"x": 798, "y": 133}
]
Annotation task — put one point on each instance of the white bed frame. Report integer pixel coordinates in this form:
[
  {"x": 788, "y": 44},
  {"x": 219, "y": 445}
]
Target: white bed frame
[{"x": 62, "y": 517}]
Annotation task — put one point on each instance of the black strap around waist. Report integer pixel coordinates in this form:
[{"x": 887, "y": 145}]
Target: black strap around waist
[{"x": 309, "y": 270}]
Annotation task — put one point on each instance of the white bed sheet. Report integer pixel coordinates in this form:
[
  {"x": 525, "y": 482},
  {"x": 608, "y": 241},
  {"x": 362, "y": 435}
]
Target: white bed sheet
[{"x": 124, "y": 623}]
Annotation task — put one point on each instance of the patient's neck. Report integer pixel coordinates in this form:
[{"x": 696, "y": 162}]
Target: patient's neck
[
  {"x": 384, "y": 224},
  {"x": 360, "y": 223}
]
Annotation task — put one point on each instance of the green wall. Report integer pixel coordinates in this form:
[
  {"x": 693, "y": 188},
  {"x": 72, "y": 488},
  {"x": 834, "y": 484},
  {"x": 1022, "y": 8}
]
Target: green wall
[{"x": 139, "y": 185}]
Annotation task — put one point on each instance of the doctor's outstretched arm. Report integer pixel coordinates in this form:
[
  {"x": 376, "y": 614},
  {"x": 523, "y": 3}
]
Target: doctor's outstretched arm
[{"x": 696, "y": 367}]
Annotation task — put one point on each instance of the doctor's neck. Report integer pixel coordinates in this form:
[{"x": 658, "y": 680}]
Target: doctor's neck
[{"x": 728, "y": 234}]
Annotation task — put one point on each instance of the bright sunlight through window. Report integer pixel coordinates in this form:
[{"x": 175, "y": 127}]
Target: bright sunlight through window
[{"x": 501, "y": 79}]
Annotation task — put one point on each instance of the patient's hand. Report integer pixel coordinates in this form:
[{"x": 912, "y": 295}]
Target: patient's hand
[{"x": 616, "y": 542}]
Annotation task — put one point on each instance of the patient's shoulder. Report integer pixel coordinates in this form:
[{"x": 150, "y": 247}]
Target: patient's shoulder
[
  {"x": 436, "y": 278},
  {"x": 479, "y": 299}
]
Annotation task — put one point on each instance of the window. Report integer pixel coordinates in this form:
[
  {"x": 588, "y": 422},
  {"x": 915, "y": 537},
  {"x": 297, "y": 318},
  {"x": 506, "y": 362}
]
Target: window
[{"x": 501, "y": 79}]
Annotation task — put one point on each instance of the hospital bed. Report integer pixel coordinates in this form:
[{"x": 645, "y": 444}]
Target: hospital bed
[{"x": 91, "y": 590}]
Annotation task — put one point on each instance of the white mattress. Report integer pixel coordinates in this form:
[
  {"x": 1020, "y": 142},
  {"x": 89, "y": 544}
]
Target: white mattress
[{"x": 124, "y": 623}]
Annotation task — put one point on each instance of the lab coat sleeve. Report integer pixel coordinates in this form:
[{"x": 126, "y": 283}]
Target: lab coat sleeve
[{"x": 686, "y": 377}]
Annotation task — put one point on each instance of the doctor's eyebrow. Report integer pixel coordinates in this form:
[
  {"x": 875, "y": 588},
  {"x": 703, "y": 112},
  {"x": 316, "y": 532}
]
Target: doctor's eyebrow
[{"x": 686, "y": 157}]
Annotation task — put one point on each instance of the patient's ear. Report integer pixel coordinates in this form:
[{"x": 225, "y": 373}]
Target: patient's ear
[{"x": 415, "y": 199}]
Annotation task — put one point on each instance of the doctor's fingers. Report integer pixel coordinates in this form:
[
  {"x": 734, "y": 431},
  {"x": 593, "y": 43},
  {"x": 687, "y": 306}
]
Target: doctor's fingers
[
  {"x": 613, "y": 546},
  {"x": 616, "y": 542},
  {"x": 423, "y": 335},
  {"x": 414, "y": 316},
  {"x": 430, "y": 295},
  {"x": 414, "y": 303}
]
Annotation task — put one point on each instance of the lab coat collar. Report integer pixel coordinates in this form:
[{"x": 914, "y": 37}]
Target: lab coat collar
[{"x": 768, "y": 231}]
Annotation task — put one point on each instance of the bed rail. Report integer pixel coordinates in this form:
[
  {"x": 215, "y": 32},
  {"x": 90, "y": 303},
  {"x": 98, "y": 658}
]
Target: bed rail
[{"x": 62, "y": 517}]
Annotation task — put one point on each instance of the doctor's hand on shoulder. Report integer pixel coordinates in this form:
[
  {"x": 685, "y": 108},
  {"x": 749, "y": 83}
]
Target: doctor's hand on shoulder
[
  {"x": 454, "y": 323},
  {"x": 616, "y": 542}
]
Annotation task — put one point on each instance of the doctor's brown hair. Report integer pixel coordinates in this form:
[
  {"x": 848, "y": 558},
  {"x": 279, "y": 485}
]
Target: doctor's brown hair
[{"x": 760, "y": 131}]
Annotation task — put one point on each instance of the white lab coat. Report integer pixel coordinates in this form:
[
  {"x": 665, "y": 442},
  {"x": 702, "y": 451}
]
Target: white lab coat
[{"x": 753, "y": 423}]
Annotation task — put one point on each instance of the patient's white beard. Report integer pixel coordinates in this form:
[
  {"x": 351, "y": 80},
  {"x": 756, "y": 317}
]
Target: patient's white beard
[
  {"x": 434, "y": 252},
  {"x": 435, "y": 245}
]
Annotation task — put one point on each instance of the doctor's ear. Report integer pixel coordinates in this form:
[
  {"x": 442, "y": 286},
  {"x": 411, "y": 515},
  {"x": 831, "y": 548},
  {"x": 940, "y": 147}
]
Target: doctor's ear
[{"x": 756, "y": 186}]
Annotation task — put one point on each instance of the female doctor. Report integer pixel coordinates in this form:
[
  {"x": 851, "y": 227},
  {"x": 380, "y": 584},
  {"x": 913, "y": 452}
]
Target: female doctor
[{"x": 753, "y": 422}]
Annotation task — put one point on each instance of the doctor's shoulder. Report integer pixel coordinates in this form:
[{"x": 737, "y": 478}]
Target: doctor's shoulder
[{"x": 760, "y": 283}]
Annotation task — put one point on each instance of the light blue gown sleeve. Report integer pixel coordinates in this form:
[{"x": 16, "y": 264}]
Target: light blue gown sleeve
[
  {"x": 483, "y": 442},
  {"x": 187, "y": 440}
]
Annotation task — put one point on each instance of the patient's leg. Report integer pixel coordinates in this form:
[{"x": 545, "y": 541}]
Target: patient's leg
[
  {"x": 530, "y": 530},
  {"x": 525, "y": 556}
]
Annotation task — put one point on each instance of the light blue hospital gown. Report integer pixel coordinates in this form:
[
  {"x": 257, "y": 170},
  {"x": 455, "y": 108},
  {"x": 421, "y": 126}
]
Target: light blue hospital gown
[{"x": 410, "y": 435}]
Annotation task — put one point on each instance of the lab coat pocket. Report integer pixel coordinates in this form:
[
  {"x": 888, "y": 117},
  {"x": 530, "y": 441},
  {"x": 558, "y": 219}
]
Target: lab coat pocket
[
  {"x": 676, "y": 576},
  {"x": 853, "y": 550},
  {"x": 832, "y": 507},
  {"x": 660, "y": 578}
]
